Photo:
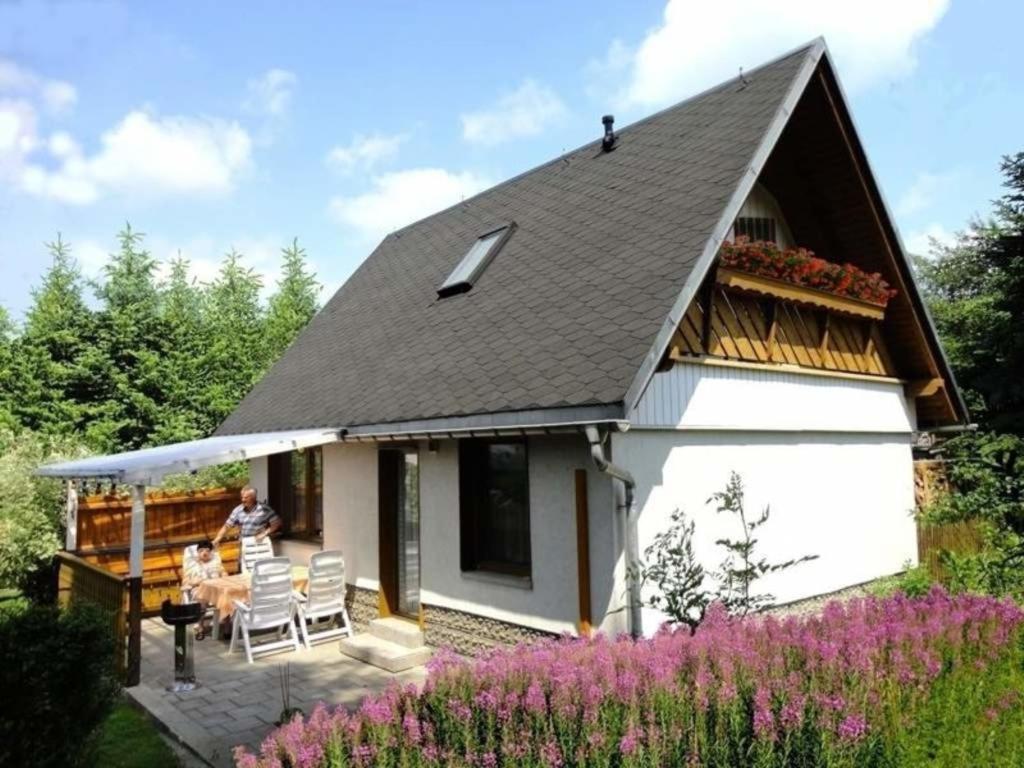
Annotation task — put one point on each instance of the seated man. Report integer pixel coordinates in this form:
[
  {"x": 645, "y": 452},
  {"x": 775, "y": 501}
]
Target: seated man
[
  {"x": 254, "y": 518},
  {"x": 205, "y": 565}
]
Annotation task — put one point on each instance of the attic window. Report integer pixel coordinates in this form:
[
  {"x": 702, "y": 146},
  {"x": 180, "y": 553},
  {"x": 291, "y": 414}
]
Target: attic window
[
  {"x": 756, "y": 228},
  {"x": 468, "y": 271}
]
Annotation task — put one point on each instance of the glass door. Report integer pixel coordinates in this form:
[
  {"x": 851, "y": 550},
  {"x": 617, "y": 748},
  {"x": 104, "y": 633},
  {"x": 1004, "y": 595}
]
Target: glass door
[
  {"x": 409, "y": 535},
  {"x": 400, "y": 530}
]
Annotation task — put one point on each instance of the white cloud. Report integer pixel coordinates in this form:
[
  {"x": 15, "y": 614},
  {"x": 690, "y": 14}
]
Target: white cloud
[
  {"x": 18, "y": 132},
  {"x": 919, "y": 242},
  {"x": 526, "y": 111},
  {"x": 91, "y": 256},
  {"x": 143, "y": 154},
  {"x": 148, "y": 155},
  {"x": 365, "y": 151},
  {"x": 922, "y": 193},
  {"x": 698, "y": 44},
  {"x": 55, "y": 95},
  {"x": 403, "y": 197},
  {"x": 271, "y": 93}
]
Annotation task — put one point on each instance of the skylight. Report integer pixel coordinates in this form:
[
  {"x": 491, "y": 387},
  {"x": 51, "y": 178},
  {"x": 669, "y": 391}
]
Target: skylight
[{"x": 474, "y": 262}]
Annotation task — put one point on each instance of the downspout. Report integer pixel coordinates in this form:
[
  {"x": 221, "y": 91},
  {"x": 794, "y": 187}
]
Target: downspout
[{"x": 625, "y": 486}]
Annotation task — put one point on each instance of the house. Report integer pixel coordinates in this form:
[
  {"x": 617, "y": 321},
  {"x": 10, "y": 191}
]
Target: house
[
  {"x": 479, "y": 360},
  {"x": 509, "y": 398}
]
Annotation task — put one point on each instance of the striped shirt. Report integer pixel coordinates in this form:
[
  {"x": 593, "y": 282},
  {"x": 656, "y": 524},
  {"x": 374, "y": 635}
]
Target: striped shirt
[{"x": 252, "y": 521}]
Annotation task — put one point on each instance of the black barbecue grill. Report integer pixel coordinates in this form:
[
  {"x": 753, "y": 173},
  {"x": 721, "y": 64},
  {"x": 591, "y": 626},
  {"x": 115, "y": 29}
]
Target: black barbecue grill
[{"x": 180, "y": 616}]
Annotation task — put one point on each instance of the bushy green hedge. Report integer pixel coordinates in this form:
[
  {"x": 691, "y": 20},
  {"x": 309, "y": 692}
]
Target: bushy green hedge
[
  {"x": 57, "y": 684},
  {"x": 31, "y": 507}
]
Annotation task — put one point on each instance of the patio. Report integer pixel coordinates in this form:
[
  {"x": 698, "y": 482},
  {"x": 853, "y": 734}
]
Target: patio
[{"x": 237, "y": 702}]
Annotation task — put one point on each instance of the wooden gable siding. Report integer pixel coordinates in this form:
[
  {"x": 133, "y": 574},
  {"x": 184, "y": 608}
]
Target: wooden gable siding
[
  {"x": 755, "y": 330},
  {"x": 818, "y": 173}
]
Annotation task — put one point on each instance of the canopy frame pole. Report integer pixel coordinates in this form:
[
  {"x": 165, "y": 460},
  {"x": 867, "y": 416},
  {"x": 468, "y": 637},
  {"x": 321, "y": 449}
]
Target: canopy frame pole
[
  {"x": 135, "y": 556},
  {"x": 71, "y": 518}
]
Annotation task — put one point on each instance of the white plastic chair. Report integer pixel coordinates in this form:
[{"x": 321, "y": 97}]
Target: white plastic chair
[
  {"x": 254, "y": 551},
  {"x": 271, "y": 606},
  {"x": 188, "y": 557},
  {"x": 325, "y": 598}
]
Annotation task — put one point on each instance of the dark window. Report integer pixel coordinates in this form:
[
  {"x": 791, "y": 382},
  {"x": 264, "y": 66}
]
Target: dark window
[
  {"x": 494, "y": 503},
  {"x": 296, "y": 491},
  {"x": 755, "y": 228}
]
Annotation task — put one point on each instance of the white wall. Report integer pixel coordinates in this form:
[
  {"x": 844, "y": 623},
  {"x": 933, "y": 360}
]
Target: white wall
[
  {"x": 702, "y": 396},
  {"x": 550, "y": 601},
  {"x": 847, "y": 498},
  {"x": 350, "y": 509},
  {"x": 258, "y": 477}
]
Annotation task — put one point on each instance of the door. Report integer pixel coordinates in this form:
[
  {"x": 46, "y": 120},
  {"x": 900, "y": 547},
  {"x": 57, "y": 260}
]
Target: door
[{"x": 399, "y": 513}]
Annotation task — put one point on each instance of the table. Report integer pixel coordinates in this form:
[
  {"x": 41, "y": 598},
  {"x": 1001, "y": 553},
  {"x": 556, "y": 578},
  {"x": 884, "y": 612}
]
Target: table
[{"x": 221, "y": 593}]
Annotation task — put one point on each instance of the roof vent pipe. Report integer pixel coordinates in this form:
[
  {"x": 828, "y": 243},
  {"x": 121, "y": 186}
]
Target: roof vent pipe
[
  {"x": 608, "y": 142},
  {"x": 625, "y": 487}
]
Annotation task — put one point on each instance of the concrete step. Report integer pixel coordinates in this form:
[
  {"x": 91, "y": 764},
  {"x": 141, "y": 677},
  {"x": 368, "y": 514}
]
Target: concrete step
[
  {"x": 397, "y": 631},
  {"x": 383, "y": 653}
]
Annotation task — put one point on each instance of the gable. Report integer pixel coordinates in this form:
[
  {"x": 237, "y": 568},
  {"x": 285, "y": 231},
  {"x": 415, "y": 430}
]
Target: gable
[{"x": 815, "y": 178}]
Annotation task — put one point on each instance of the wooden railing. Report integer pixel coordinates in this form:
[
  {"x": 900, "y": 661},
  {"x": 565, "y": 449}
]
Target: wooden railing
[
  {"x": 80, "y": 581},
  {"x": 760, "y": 329},
  {"x": 173, "y": 522}
]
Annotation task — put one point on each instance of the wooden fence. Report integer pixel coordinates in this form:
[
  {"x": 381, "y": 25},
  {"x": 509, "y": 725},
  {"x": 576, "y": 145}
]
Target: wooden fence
[
  {"x": 173, "y": 522},
  {"x": 964, "y": 538},
  {"x": 930, "y": 482},
  {"x": 79, "y": 581}
]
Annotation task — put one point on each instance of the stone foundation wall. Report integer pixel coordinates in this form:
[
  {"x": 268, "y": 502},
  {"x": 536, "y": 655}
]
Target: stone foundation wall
[
  {"x": 469, "y": 634},
  {"x": 362, "y": 606},
  {"x": 465, "y": 633}
]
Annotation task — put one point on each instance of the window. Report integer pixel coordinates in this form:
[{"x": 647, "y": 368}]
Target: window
[
  {"x": 296, "y": 491},
  {"x": 755, "y": 228},
  {"x": 494, "y": 505},
  {"x": 473, "y": 263}
]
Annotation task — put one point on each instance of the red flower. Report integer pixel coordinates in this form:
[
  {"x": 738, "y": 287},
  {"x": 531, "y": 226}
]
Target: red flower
[{"x": 801, "y": 267}]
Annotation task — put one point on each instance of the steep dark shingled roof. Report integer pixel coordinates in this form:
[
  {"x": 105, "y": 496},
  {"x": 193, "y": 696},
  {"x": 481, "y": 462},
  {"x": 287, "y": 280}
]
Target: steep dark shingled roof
[{"x": 564, "y": 314}]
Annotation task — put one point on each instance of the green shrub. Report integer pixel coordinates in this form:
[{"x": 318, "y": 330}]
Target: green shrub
[
  {"x": 58, "y": 683},
  {"x": 31, "y": 508},
  {"x": 986, "y": 471},
  {"x": 915, "y": 582}
]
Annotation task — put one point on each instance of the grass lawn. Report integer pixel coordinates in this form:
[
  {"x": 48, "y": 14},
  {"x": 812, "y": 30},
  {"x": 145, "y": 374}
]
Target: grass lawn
[{"x": 129, "y": 740}]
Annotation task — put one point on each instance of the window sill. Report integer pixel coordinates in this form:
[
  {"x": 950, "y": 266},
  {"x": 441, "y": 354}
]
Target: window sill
[{"x": 500, "y": 579}]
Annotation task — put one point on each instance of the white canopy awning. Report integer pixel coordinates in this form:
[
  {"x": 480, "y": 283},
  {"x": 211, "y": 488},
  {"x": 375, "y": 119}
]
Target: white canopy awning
[{"x": 148, "y": 466}]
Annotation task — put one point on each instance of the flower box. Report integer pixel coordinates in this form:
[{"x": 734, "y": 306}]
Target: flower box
[
  {"x": 796, "y": 274},
  {"x": 780, "y": 289}
]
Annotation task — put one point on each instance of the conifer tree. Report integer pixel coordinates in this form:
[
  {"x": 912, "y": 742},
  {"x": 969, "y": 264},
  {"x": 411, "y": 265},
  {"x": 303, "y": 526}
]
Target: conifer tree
[
  {"x": 126, "y": 363},
  {"x": 236, "y": 352},
  {"x": 181, "y": 309},
  {"x": 48, "y": 382},
  {"x": 7, "y": 372},
  {"x": 294, "y": 303}
]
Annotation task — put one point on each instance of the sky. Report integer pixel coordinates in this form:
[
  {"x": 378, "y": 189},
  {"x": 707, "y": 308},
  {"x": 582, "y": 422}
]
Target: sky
[{"x": 212, "y": 126}]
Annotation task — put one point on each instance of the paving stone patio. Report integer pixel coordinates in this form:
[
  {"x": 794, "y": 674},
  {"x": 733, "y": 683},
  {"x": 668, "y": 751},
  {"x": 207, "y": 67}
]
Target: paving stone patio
[{"x": 239, "y": 702}]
